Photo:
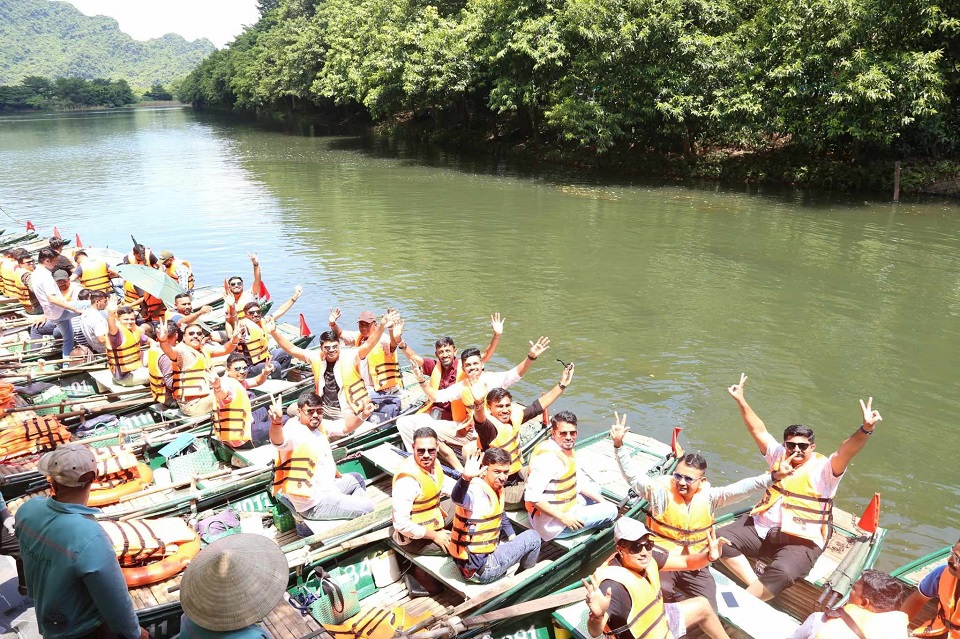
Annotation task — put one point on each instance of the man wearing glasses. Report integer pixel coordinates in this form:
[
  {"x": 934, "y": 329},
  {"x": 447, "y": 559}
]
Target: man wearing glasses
[
  {"x": 561, "y": 500},
  {"x": 235, "y": 296},
  {"x": 419, "y": 519},
  {"x": 682, "y": 509},
  {"x": 256, "y": 345},
  {"x": 237, "y": 425},
  {"x": 191, "y": 359},
  {"x": 792, "y": 522},
  {"x": 624, "y": 598},
  {"x": 943, "y": 584}
]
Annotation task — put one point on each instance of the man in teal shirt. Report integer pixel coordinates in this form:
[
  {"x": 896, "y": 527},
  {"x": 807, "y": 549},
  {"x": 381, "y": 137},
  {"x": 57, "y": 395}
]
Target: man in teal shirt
[{"x": 72, "y": 571}]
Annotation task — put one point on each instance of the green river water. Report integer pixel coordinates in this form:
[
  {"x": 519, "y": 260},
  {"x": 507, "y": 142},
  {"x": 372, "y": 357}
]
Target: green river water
[{"x": 662, "y": 294}]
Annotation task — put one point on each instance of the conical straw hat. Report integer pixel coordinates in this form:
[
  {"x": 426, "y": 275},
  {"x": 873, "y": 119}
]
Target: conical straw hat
[{"x": 234, "y": 582}]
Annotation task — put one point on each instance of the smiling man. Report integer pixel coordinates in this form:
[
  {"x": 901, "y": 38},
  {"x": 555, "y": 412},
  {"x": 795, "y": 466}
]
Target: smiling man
[
  {"x": 792, "y": 521},
  {"x": 191, "y": 361},
  {"x": 419, "y": 519}
]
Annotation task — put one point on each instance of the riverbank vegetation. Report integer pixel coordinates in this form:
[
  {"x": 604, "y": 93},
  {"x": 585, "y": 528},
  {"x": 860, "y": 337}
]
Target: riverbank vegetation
[
  {"x": 40, "y": 94},
  {"x": 823, "y": 92}
]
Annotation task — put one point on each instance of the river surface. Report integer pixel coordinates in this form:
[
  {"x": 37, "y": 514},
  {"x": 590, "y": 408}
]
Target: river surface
[{"x": 662, "y": 294}]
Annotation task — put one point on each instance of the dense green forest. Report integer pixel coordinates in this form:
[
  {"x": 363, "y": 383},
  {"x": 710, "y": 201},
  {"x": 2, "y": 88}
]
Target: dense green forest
[
  {"x": 53, "y": 39},
  {"x": 807, "y": 91},
  {"x": 65, "y": 93}
]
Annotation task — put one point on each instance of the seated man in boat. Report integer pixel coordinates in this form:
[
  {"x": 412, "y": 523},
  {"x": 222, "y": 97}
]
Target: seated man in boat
[
  {"x": 942, "y": 584},
  {"x": 183, "y": 314},
  {"x": 22, "y": 282},
  {"x": 479, "y": 520},
  {"x": 90, "y": 329},
  {"x": 306, "y": 474},
  {"x": 125, "y": 341},
  {"x": 379, "y": 367},
  {"x": 791, "y": 523},
  {"x": 236, "y": 423},
  {"x": 161, "y": 370},
  {"x": 139, "y": 256},
  {"x": 233, "y": 288},
  {"x": 450, "y": 418},
  {"x": 92, "y": 273},
  {"x": 498, "y": 422},
  {"x": 70, "y": 565},
  {"x": 190, "y": 360},
  {"x": 683, "y": 506},
  {"x": 256, "y": 346},
  {"x": 419, "y": 520},
  {"x": 623, "y": 595},
  {"x": 561, "y": 500},
  {"x": 178, "y": 270},
  {"x": 871, "y": 612}
]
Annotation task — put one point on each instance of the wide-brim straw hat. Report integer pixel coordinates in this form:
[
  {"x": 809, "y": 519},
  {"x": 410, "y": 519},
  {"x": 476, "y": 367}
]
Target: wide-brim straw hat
[{"x": 234, "y": 582}]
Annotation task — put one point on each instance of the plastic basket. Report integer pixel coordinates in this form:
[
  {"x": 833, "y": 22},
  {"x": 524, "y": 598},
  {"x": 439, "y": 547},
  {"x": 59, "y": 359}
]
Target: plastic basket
[{"x": 200, "y": 462}]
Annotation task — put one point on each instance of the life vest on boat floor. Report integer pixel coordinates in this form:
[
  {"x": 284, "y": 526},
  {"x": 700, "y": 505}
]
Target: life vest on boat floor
[
  {"x": 118, "y": 474},
  {"x": 151, "y": 550}
]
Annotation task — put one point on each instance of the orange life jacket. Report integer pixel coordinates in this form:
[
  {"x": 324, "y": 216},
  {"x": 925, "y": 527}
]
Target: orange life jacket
[
  {"x": 383, "y": 367},
  {"x": 190, "y": 382},
  {"x": 8, "y": 267},
  {"x": 172, "y": 272},
  {"x": 295, "y": 469},
  {"x": 806, "y": 513},
  {"x": 647, "y": 618},
  {"x": 946, "y": 623},
  {"x": 353, "y": 387},
  {"x": 257, "y": 346},
  {"x": 457, "y": 408},
  {"x": 426, "y": 507},
  {"x": 560, "y": 491},
  {"x": 20, "y": 290},
  {"x": 682, "y": 528},
  {"x": 94, "y": 275},
  {"x": 875, "y": 625},
  {"x": 477, "y": 531},
  {"x": 508, "y": 437},
  {"x": 158, "y": 390},
  {"x": 125, "y": 358},
  {"x": 233, "y": 421}
]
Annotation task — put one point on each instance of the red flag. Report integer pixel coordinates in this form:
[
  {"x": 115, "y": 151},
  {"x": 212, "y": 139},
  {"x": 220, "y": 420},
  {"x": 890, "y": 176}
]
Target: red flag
[
  {"x": 79, "y": 243},
  {"x": 56, "y": 233},
  {"x": 30, "y": 226},
  {"x": 871, "y": 516},
  {"x": 674, "y": 444},
  {"x": 264, "y": 293},
  {"x": 304, "y": 329}
]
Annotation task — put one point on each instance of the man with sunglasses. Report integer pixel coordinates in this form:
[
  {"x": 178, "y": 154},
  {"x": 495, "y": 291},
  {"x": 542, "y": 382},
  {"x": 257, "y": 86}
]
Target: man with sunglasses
[
  {"x": 942, "y": 584},
  {"x": 379, "y": 367},
  {"x": 419, "y": 484},
  {"x": 190, "y": 360},
  {"x": 233, "y": 292},
  {"x": 792, "y": 522},
  {"x": 624, "y": 598},
  {"x": 306, "y": 473},
  {"x": 682, "y": 509},
  {"x": 256, "y": 346},
  {"x": 561, "y": 500},
  {"x": 237, "y": 424}
]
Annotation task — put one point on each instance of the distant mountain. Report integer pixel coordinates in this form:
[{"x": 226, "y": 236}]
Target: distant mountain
[{"x": 54, "y": 39}]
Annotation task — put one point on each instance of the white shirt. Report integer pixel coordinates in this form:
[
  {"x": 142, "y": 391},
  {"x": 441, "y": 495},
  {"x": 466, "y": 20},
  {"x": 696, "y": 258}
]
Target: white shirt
[
  {"x": 296, "y": 432},
  {"x": 492, "y": 380},
  {"x": 405, "y": 492},
  {"x": 543, "y": 469},
  {"x": 825, "y": 483},
  {"x": 93, "y": 325},
  {"x": 44, "y": 286}
]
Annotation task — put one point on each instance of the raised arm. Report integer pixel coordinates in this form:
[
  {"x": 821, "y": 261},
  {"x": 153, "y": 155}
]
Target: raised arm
[
  {"x": 698, "y": 560},
  {"x": 368, "y": 345},
  {"x": 275, "y": 411},
  {"x": 755, "y": 426},
  {"x": 286, "y": 306},
  {"x": 410, "y": 354},
  {"x": 639, "y": 481},
  {"x": 164, "y": 340},
  {"x": 352, "y": 422},
  {"x": 554, "y": 393},
  {"x": 496, "y": 323},
  {"x": 334, "y": 316},
  {"x": 424, "y": 386},
  {"x": 194, "y": 316},
  {"x": 255, "y": 288},
  {"x": 230, "y": 345},
  {"x": 284, "y": 343},
  {"x": 852, "y": 444},
  {"x": 112, "y": 327},
  {"x": 536, "y": 350}
]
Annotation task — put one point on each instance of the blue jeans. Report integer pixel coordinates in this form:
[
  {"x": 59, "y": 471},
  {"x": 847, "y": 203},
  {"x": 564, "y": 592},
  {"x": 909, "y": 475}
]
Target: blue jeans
[
  {"x": 66, "y": 329},
  {"x": 523, "y": 549},
  {"x": 593, "y": 515}
]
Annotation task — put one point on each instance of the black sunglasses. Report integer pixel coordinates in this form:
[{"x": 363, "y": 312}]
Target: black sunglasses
[
  {"x": 640, "y": 544},
  {"x": 794, "y": 445},
  {"x": 426, "y": 451}
]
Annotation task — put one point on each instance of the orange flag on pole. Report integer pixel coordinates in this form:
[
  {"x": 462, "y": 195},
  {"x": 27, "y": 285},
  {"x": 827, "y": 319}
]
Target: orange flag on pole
[
  {"x": 30, "y": 226},
  {"x": 870, "y": 519},
  {"x": 304, "y": 329},
  {"x": 674, "y": 444},
  {"x": 56, "y": 233},
  {"x": 79, "y": 243},
  {"x": 264, "y": 293}
]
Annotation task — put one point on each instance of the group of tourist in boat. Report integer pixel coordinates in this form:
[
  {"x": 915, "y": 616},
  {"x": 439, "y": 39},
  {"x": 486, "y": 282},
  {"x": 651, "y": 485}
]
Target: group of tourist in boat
[{"x": 655, "y": 585}]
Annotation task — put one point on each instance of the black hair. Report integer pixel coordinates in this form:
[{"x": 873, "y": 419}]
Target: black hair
[
  {"x": 79, "y": 253},
  {"x": 139, "y": 250},
  {"x": 496, "y": 455},
  {"x": 180, "y": 296},
  {"x": 84, "y": 294},
  {"x": 883, "y": 591},
  {"x": 563, "y": 416},
  {"x": 98, "y": 295},
  {"x": 798, "y": 430},
  {"x": 56, "y": 243},
  {"x": 47, "y": 253},
  {"x": 445, "y": 341},
  {"x": 329, "y": 336},
  {"x": 309, "y": 398},
  {"x": 249, "y": 305},
  {"x": 695, "y": 460},
  {"x": 235, "y": 357},
  {"x": 125, "y": 310},
  {"x": 425, "y": 432},
  {"x": 470, "y": 352},
  {"x": 496, "y": 394}
]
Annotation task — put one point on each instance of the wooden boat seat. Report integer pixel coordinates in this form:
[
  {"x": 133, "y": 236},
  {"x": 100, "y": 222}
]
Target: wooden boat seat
[
  {"x": 259, "y": 456},
  {"x": 746, "y": 612},
  {"x": 521, "y": 518},
  {"x": 104, "y": 379},
  {"x": 599, "y": 461},
  {"x": 384, "y": 457},
  {"x": 273, "y": 387}
]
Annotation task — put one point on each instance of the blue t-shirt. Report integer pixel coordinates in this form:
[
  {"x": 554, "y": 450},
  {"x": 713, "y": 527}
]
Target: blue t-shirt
[
  {"x": 931, "y": 583},
  {"x": 190, "y": 630}
]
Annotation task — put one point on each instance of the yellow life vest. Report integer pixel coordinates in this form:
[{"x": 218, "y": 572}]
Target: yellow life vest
[
  {"x": 457, "y": 408},
  {"x": 384, "y": 368},
  {"x": 20, "y": 290},
  {"x": 508, "y": 437},
  {"x": 682, "y": 528},
  {"x": 126, "y": 358},
  {"x": 233, "y": 421},
  {"x": 647, "y": 618},
  {"x": 354, "y": 389},
  {"x": 172, "y": 272},
  {"x": 477, "y": 531},
  {"x": 295, "y": 469},
  {"x": 946, "y": 623},
  {"x": 136, "y": 541},
  {"x": 190, "y": 382},
  {"x": 257, "y": 346},
  {"x": 560, "y": 491},
  {"x": 876, "y": 625},
  {"x": 94, "y": 275},
  {"x": 8, "y": 267},
  {"x": 158, "y": 390},
  {"x": 806, "y": 513},
  {"x": 426, "y": 507},
  {"x": 130, "y": 294}
]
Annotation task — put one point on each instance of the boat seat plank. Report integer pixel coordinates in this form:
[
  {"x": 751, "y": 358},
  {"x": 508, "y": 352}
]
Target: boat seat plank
[
  {"x": 522, "y": 518},
  {"x": 261, "y": 456},
  {"x": 748, "y": 613},
  {"x": 104, "y": 379},
  {"x": 273, "y": 387},
  {"x": 384, "y": 457}
]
